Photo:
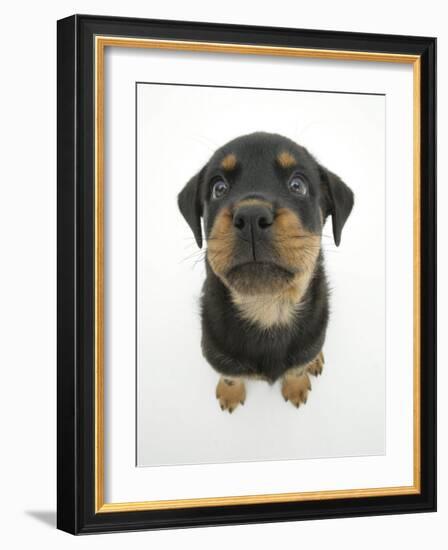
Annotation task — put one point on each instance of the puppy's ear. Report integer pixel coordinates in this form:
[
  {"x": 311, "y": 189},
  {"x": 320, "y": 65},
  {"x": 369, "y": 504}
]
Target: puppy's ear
[
  {"x": 190, "y": 205},
  {"x": 338, "y": 201}
]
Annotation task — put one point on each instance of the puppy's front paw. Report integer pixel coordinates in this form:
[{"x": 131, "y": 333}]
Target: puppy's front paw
[
  {"x": 317, "y": 366},
  {"x": 230, "y": 392},
  {"x": 295, "y": 387}
]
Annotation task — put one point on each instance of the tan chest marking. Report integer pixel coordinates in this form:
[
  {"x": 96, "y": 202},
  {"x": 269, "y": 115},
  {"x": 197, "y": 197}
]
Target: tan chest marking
[{"x": 267, "y": 310}]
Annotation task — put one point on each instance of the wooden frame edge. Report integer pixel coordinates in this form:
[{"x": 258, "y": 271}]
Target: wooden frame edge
[{"x": 100, "y": 43}]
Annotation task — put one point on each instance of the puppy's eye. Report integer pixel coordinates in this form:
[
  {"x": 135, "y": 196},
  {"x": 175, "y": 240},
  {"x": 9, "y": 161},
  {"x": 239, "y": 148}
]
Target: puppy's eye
[
  {"x": 298, "y": 186},
  {"x": 219, "y": 189}
]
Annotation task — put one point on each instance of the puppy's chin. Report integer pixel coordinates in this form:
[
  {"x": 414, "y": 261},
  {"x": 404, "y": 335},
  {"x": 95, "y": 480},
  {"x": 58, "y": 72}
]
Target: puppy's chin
[{"x": 254, "y": 278}]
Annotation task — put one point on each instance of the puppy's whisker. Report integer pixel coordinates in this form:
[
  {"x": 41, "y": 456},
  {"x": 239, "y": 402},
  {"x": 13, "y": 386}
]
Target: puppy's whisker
[
  {"x": 187, "y": 260},
  {"x": 205, "y": 139},
  {"x": 196, "y": 256},
  {"x": 197, "y": 262}
]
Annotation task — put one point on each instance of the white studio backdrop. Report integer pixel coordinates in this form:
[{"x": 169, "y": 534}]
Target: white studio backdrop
[
  {"x": 257, "y": 468},
  {"x": 28, "y": 463},
  {"x": 179, "y": 419}
]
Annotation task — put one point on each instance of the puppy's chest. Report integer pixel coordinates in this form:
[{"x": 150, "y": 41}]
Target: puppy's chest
[
  {"x": 266, "y": 332},
  {"x": 267, "y": 354},
  {"x": 267, "y": 313}
]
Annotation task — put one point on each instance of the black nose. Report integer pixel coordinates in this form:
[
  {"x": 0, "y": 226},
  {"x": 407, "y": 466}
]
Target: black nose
[{"x": 253, "y": 218}]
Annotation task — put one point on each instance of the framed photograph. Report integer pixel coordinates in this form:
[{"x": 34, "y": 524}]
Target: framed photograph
[{"x": 246, "y": 274}]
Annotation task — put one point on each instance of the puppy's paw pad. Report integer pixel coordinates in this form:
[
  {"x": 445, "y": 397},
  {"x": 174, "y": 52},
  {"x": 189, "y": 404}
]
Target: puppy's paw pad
[
  {"x": 295, "y": 389},
  {"x": 230, "y": 393},
  {"x": 317, "y": 366}
]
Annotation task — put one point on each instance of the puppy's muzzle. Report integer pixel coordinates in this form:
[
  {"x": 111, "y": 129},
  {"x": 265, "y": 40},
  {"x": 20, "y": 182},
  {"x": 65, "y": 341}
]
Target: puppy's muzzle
[{"x": 252, "y": 221}]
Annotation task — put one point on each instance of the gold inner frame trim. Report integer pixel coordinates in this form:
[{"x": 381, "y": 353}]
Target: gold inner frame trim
[{"x": 101, "y": 42}]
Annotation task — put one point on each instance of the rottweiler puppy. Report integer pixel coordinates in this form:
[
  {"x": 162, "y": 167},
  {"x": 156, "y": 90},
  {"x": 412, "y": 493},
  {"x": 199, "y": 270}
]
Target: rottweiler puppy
[{"x": 264, "y": 200}]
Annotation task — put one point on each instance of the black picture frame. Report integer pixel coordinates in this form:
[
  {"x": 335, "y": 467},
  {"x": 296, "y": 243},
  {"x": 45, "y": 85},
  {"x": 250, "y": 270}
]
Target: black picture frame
[{"x": 76, "y": 286}]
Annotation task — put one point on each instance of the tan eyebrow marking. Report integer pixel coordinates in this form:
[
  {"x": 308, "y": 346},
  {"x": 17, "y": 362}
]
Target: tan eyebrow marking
[
  {"x": 228, "y": 162},
  {"x": 250, "y": 202},
  {"x": 286, "y": 159}
]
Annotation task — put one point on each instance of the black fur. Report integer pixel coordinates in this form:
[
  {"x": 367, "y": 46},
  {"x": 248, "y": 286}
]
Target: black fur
[
  {"x": 231, "y": 344},
  {"x": 236, "y": 347}
]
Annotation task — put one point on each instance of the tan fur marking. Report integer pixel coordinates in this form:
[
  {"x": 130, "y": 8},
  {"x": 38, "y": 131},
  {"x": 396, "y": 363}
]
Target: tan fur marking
[
  {"x": 296, "y": 383},
  {"x": 253, "y": 202},
  {"x": 286, "y": 159},
  {"x": 295, "y": 386},
  {"x": 267, "y": 310},
  {"x": 297, "y": 250},
  {"x": 231, "y": 392},
  {"x": 228, "y": 162},
  {"x": 220, "y": 243},
  {"x": 317, "y": 366}
]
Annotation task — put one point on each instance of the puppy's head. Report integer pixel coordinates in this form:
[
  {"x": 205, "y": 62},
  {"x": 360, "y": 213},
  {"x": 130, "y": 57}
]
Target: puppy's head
[{"x": 263, "y": 200}]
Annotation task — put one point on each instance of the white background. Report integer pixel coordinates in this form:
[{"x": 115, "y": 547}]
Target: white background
[
  {"x": 28, "y": 230},
  {"x": 179, "y": 419}
]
